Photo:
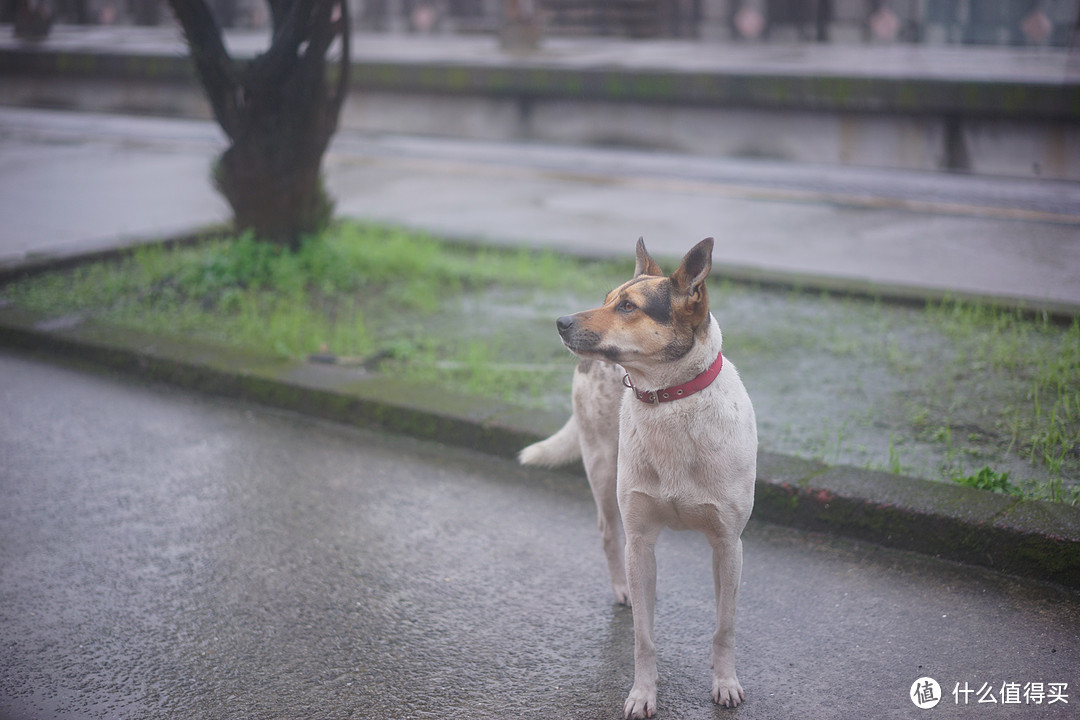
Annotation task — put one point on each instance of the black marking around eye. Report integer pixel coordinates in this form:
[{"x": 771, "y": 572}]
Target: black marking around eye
[{"x": 657, "y": 303}]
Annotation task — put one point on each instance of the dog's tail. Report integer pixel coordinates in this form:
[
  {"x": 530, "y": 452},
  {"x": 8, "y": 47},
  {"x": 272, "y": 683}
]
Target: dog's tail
[{"x": 560, "y": 449}]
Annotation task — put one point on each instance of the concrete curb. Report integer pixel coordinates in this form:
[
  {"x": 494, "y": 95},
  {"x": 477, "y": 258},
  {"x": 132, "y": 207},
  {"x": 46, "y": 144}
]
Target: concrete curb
[
  {"x": 1030, "y": 538},
  {"x": 1062, "y": 313}
]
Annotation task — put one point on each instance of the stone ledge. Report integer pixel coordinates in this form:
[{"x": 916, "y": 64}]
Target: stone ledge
[{"x": 958, "y": 97}]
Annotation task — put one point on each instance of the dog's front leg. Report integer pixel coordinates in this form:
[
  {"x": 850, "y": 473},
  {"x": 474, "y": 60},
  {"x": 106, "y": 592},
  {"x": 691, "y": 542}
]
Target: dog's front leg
[
  {"x": 727, "y": 571},
  {"x": 641, "y": 575}
]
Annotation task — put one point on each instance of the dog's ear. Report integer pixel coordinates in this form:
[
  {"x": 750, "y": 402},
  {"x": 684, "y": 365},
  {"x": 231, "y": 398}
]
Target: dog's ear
[
  {"x": 645, "y": 264},
  {"x": 689, "y": 279}
]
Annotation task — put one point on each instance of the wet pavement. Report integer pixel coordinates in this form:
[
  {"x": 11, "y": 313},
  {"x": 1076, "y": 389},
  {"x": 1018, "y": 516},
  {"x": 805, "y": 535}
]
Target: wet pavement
[{"x": 167, "y": 555}]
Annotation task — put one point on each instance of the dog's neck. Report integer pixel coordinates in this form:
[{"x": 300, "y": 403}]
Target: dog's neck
[{"x": 655, "y": 376}]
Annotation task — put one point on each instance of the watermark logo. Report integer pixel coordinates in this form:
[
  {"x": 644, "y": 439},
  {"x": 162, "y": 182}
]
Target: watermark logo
[{"x": 925, "y": 693}]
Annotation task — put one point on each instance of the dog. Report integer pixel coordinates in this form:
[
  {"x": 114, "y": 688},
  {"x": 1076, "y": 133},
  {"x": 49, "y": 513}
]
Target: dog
[{"x": 667, "y": 434}]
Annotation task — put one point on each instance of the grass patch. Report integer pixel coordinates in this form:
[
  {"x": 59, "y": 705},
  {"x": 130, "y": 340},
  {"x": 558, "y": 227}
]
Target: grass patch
[
  {"x": 1010, "y": 378},
  {"x": 388, "y": 298},
  {"x": 938, "y": 392}
]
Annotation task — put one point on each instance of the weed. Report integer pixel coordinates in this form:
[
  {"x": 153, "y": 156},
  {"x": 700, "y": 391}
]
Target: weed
[
  {"x": 894, "y": 465},
  {"x": 989, "y": 479}
]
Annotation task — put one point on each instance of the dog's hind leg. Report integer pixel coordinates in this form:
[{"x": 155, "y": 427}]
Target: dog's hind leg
[
  {"x": 597, "y": 395},
  {"x": 601, "y": 461},
  {"x": 727, "y": 571}
]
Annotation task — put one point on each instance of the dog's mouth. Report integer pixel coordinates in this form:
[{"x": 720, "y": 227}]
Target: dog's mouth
[
  {"x": 578, "y": 347},
  {"x": 579, "y": 344},
  {"x": 582, "y": 342}
]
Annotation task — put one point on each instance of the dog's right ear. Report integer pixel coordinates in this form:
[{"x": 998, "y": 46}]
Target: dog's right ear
[
  {"x": 645, "y": 264},
  {"x": 689, "y": 279}
]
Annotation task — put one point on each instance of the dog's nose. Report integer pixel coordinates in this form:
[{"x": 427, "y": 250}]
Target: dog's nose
[{"x": 564, "y": 323}]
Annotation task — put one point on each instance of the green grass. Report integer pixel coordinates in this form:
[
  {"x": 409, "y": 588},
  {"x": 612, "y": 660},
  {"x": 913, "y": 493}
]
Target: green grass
[
  {"x": 359, "y": 290},
  {"x": 1033, "y": 368}
]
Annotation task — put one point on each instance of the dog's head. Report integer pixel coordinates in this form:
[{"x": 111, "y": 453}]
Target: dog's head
[{"x": 649, "y": 319}]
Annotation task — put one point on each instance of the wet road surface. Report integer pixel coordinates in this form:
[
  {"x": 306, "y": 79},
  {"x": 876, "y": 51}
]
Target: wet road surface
[{"x": 165, "y": 555}]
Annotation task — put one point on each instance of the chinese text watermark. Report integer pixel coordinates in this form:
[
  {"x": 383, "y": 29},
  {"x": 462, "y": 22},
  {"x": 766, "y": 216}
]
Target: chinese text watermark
[{"x": 926, "y": 693}]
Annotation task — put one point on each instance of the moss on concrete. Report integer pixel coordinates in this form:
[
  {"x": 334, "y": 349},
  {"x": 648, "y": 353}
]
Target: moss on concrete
[{"x": 1030, "y": 538}]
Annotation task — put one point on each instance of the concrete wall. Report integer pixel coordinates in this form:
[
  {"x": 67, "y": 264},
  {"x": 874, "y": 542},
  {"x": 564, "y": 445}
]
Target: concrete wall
[
  {"x": 1032, "y": 148},
  {"x": 1012, "y": 128}
]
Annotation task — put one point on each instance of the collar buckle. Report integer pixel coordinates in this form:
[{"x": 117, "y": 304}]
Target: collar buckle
[{"x": 647, "y": 396}]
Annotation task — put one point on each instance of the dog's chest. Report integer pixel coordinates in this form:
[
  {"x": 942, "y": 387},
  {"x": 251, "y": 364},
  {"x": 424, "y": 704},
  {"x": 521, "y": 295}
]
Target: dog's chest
[
  {"x": 677, "y": 444},
  {"x": 689, "y": 448}
]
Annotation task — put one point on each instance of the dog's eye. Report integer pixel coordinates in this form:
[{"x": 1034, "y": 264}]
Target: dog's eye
[{"x": 627, "y": 306}]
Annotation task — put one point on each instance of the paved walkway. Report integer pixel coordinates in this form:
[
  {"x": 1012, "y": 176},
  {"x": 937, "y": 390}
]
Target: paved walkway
[
  {"x": 280, "y": 567},
  {"x": 71, "y": 183}
]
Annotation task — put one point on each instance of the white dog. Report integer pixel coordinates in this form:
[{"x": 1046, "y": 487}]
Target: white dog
[{"x": 668, "y": 437}]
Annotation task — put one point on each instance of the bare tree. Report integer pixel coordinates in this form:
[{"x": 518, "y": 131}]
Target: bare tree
[{"x": 279, "y": 111}]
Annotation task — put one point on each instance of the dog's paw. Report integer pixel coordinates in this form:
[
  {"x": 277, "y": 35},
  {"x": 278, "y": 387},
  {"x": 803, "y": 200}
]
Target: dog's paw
[
  {"x": 622, "y": 594},
  {"x": 641, "y": 703},
  {"x": 727, "y": 691}
]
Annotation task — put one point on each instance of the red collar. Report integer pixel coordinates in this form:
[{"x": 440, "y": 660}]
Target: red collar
[{"x": 702, "y": 381}]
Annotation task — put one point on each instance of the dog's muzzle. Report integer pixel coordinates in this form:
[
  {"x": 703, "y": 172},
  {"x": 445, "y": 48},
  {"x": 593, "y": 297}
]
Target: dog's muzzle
[
  {"x": 566, "y": 326},
  {"x": 578, "y": 339}
]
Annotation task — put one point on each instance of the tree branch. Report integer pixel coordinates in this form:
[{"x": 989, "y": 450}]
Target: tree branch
[
  {"x": 293, "y": 24},
  {"x": 212, "y": 61},
  {"x": 345, "y": 63}
]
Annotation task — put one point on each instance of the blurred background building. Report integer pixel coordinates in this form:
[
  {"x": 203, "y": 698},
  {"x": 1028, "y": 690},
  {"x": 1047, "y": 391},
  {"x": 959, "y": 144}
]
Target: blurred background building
[{"x": 940, "y": 22}]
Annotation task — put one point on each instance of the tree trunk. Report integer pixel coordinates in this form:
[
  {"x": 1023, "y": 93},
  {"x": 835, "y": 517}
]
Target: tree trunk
[{"x": 279, "y": 112}]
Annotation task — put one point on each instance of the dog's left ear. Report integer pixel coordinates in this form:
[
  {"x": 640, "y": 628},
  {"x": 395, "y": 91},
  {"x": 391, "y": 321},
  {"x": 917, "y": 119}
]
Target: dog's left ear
[
  {"x": 689, "y": 279},
  {"x": 645, "y": 264}
]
